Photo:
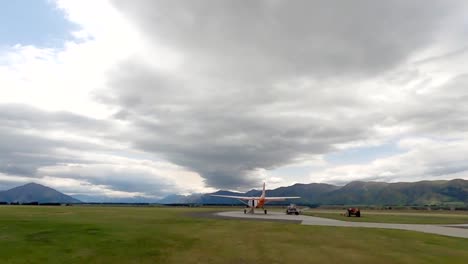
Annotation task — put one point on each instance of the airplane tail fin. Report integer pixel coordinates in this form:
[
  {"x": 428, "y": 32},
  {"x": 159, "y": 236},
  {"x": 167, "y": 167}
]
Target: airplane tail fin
[{"x": 263, "y": 192}]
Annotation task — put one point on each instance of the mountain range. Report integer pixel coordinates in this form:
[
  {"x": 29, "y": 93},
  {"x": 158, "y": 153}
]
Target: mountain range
[
  {"x": 33, "y": 192},
  {"x": 357, "y": 192}
]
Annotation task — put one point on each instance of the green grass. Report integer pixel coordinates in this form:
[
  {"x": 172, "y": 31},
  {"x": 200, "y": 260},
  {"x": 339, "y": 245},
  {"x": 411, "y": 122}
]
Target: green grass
[
  {"x": 395, "y": 217},
  {"x": 169, "y": 235}
]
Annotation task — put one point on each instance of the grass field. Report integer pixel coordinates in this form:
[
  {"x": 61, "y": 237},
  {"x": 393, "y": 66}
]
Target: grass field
[
  {"x": 400, "y": 217},
  {"x": 169, "y": 235}
]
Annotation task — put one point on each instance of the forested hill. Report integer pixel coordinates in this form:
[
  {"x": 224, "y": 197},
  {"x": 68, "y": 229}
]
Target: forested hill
[{"x": 357, "y": 192}]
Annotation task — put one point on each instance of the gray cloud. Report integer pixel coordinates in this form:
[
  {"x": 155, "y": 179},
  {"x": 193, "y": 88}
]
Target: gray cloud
[
  {"x": 441, "y": 111},
  {"x": 25, "y": 146},
  {"x": 226, "y": 133},
  {"x": 22, "y": 154},
  {"x": 25, "y": 117},
  {"x": 262, "y": 83},
  {"x": 254, "y": 39},
  {"x": 37, "y": 145}
]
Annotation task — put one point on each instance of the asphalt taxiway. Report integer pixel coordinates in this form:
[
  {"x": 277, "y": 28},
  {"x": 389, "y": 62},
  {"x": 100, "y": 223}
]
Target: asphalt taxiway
[{"x": 446, "y": 230}]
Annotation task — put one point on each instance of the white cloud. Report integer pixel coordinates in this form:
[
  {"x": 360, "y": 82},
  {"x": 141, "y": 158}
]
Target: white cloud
[
  {"x": 68, "y": 78},
  {"x": 425, "y": 159}
]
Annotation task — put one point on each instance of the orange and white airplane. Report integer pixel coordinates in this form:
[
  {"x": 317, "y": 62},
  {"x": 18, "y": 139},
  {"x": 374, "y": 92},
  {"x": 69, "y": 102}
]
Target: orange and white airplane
[{"x": 256, "y": 202}]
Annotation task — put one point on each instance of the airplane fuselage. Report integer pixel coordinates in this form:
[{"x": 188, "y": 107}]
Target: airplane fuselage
[
  {"x": 261, "y": 202},
  {"x": 256, "y": 202}
]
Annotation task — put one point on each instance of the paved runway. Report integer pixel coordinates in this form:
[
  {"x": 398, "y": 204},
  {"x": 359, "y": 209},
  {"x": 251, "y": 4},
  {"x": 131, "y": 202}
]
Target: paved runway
[{"x": 446, "y": 230}]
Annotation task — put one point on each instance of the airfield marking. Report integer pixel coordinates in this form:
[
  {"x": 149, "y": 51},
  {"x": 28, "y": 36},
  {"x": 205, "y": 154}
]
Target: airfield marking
[{"x": 446, "y": 230}]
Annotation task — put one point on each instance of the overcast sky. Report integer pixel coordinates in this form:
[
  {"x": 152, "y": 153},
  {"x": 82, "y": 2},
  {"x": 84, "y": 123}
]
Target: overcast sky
[{"x": 148, "y": 98}]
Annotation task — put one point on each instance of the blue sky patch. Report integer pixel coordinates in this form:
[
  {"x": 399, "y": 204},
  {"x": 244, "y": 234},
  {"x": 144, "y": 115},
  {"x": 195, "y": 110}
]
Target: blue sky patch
[
  {"x": 33, "y": 22},
  {"x": 363, "y": 155}
]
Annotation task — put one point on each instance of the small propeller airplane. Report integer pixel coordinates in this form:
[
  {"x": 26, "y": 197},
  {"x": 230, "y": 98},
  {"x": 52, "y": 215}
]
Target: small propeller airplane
[{"x": 256, "y": 202}]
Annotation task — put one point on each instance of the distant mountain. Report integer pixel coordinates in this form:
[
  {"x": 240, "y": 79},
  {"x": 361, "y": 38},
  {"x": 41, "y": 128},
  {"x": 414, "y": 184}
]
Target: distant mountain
[
  {"x": 208, "y": 199},
  {"x": 105, "y": 199},
  {"x": 311, "y": 193},
  {"x": 403, "y": 193},
  {"x": 357, "y": 192},
  {"x": 33, "y": 192},
  {"x": 178, "y": 199}
]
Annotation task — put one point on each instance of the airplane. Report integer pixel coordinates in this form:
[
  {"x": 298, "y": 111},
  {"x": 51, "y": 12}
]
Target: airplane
[{"x": 256, "y": 202}]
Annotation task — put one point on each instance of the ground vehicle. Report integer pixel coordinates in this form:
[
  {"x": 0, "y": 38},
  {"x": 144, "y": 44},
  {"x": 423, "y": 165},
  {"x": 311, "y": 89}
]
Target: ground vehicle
[
  {"x": 292, "y": 209},
  {"x": 353, "y": 211}
]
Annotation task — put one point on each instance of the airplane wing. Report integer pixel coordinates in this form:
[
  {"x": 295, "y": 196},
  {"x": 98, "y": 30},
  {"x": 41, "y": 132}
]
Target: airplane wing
[
  {"x": 280, "y": 198},
  {"x": 236, "y": 197},
  {"x": 256, "y": 198}
]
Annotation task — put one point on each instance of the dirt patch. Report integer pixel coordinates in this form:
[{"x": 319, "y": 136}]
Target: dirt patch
[{"x": 463, "y": 227}]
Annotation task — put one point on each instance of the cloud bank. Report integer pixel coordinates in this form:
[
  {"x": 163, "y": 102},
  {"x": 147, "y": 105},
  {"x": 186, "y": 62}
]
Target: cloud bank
[{"x": 225, "y": 94}]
